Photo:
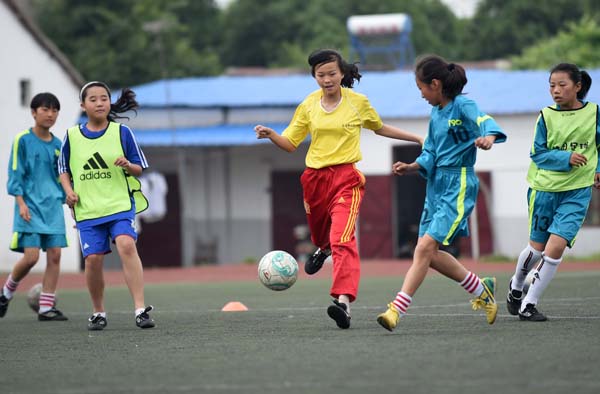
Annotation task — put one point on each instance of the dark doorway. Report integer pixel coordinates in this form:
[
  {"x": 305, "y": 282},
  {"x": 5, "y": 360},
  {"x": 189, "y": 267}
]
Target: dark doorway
[
  {"x": 159, "y": 243},
  {"x": 288, "y": 223},
  {"x": 375, "y": 238},
  {"x": 409, "y": 196}
]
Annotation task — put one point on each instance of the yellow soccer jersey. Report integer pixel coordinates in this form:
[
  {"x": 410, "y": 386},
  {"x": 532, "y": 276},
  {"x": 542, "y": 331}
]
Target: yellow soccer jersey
[{"x": 335, "y": 135}]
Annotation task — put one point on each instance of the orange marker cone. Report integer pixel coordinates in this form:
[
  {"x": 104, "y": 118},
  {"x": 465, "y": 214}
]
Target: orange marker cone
[{"x": 234, "y": 306}]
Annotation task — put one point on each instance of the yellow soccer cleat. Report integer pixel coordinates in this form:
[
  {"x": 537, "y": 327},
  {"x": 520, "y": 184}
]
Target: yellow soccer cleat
[
  {"x": 390, "y": 318},
  {"x": 486, "y": 300}
]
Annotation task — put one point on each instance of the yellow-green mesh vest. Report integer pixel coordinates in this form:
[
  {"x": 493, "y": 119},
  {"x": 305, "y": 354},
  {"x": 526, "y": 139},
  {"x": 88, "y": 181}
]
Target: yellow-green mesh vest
[
  {"x": 102, "y": 187},
  {"x": 575, "y": 131}
]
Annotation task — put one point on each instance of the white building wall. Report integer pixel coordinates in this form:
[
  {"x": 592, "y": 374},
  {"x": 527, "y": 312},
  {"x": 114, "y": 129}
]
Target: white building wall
[
  {"x": 241, "y": 225},
  {"x": 24, "y": 59}
]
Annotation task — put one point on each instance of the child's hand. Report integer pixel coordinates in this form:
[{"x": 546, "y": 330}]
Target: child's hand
[
  {"x": 263, "y": 131},
  {"x": 122, "y": 162},
  {"x": 24, "y": 212},
  {"x": 72, "y": 199},
  {"x": 486, "y": 142},
  {"x": 400, "y": 168},
  {"x": 577, "y": 159}
]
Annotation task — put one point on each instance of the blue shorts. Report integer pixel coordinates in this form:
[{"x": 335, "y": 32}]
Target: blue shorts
[
  {"x": 559, "y": 213},
  {"x": 96, "y": 239},
  {"x": 450, "y": 198},
  {"x": 20, "y": 241}
]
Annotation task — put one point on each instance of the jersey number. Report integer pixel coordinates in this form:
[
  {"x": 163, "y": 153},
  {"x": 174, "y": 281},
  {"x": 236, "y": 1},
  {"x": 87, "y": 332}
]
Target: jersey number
[
  {"x": 541, "y": 223},
  {"x": 459, "y": 134}
]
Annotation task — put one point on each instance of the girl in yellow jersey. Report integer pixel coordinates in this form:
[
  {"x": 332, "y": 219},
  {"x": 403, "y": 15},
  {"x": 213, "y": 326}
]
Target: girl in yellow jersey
[{"x": 332, "y": 186}]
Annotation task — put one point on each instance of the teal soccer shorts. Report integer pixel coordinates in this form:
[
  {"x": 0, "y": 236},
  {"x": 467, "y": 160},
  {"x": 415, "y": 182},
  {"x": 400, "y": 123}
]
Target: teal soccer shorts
[
  {"x": 449, "y": 201},
  {"x": 559, "y": 213},
  {"x": 20, "y": 241}
]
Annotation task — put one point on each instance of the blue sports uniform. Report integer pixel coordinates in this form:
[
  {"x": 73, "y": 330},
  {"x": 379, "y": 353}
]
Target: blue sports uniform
[
  {"x": 32, "y": 174},
  {"x": 94, "y": 233},
  {"x": 447, "y": 161},
  {"x": 563, "y": 211}
]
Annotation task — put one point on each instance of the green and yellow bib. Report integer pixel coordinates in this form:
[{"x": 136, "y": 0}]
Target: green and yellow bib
[
  {"x": 103, "y": 188},
  {"x": 569, "y": 130}
]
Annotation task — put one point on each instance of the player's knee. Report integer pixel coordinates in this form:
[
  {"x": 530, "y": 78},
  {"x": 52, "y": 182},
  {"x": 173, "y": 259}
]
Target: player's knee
[
  {"x": 53, "y": 258},
  {"x": 94, "y": 260},
  {"x": 30, "y": 258},
  {"x": 126, "y": 246}
]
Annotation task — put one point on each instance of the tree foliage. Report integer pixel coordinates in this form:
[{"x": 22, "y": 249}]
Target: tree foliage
[
  {"x": 502, "y": 28},
  {"x": 125, "y": 42},
  {"x": 577, "y": 44},
  {"x": 111, "y": 40}
]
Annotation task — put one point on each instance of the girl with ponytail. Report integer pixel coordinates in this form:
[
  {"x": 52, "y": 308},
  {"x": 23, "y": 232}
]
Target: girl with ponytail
[
  {"x": 564, "y": 167},
  {"x": 333, "y": 187},
  {"x": 98, "y": 166},
  {"x": 456, "y": 129}
]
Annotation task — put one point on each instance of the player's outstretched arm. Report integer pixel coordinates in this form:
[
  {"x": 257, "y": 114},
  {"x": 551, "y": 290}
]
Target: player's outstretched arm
[{"x": 399, "y": 134}]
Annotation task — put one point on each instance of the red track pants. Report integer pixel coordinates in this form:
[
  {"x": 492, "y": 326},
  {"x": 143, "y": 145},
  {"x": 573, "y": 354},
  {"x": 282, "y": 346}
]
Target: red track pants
[{"x": 332, "y": 198}]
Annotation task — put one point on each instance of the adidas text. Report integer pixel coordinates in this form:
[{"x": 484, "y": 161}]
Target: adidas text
[{"x": 95, "y": 175}]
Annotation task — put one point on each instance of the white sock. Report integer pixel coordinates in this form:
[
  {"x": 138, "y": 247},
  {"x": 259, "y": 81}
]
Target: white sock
[
  {"x": 103, "y": 314},
  {"x": 528, "y": 259},
  {"x": 7, "y": 293},
  {"x": 344, "y": 299},
  {"x": 545, "y": 272},
  {"x": 139, "y": 310}
]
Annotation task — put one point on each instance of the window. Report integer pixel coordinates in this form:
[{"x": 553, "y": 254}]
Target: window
[{"x": 25, "y": 85}]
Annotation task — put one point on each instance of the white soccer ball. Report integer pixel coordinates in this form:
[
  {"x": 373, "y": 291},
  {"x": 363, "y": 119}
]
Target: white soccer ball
[
  {"x": 278, "y": 270},
  {"x": 33, "y": 297}
]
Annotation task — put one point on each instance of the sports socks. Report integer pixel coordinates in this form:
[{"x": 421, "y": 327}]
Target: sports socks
[
  {"x": 542, "y": 278},
  {"x": 344, "y": 299},
  {"x": 46, "y": 302},
  {"x": 472, "y": 284},
  {"x": 528, "y": 259},
  {"x": 10, "y": 287},
  {"x": 402, "y": 302}
]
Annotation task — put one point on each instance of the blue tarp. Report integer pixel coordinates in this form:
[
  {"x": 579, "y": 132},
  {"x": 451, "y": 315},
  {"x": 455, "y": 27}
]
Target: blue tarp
[
  {"x": 394, "y": 94},
  {"x": 222, "y": 135}
]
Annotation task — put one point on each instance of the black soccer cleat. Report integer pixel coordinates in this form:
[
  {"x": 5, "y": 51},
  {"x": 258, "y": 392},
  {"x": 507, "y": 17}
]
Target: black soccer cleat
[
  {"x": 52, "y": 315},
  {"x": 513, "y": 300},
  {"x": 315, "y": 262},
  {"x": 97, "y": 323},
  {"x": 143, "y": 320},
  {"x": 3, "y": 304},
  {"x": 530, "y": 313},
  {"x": 338, "y": 312}
]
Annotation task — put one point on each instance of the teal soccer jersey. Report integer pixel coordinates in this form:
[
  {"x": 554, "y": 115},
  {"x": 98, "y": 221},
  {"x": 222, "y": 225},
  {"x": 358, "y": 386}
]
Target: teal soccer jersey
[
  {"x": 33, "y": 174},
  {"x": 452, "y": 132}
]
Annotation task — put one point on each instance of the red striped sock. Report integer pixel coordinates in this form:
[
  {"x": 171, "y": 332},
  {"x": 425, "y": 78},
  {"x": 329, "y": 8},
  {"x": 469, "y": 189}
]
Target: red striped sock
[
  {"x": 472, "y": 284},
  {"x": 46, "y": 301},
  {"x": 10, "y": 287},
  {"x": 402, "y": 302}
]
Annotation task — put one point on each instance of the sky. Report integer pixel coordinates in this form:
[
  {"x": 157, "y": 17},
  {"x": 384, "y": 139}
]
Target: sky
[{"x": 461, "y": 8}]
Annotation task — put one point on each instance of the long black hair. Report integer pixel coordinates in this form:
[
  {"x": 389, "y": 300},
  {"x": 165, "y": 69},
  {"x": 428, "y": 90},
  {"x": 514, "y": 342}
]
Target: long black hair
[
  {"x": 126, "y": 101},
  {"x": 576, "y": 75},
  {"x": 322, "y": 56},
  {"x": 452, "y": 76}
]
